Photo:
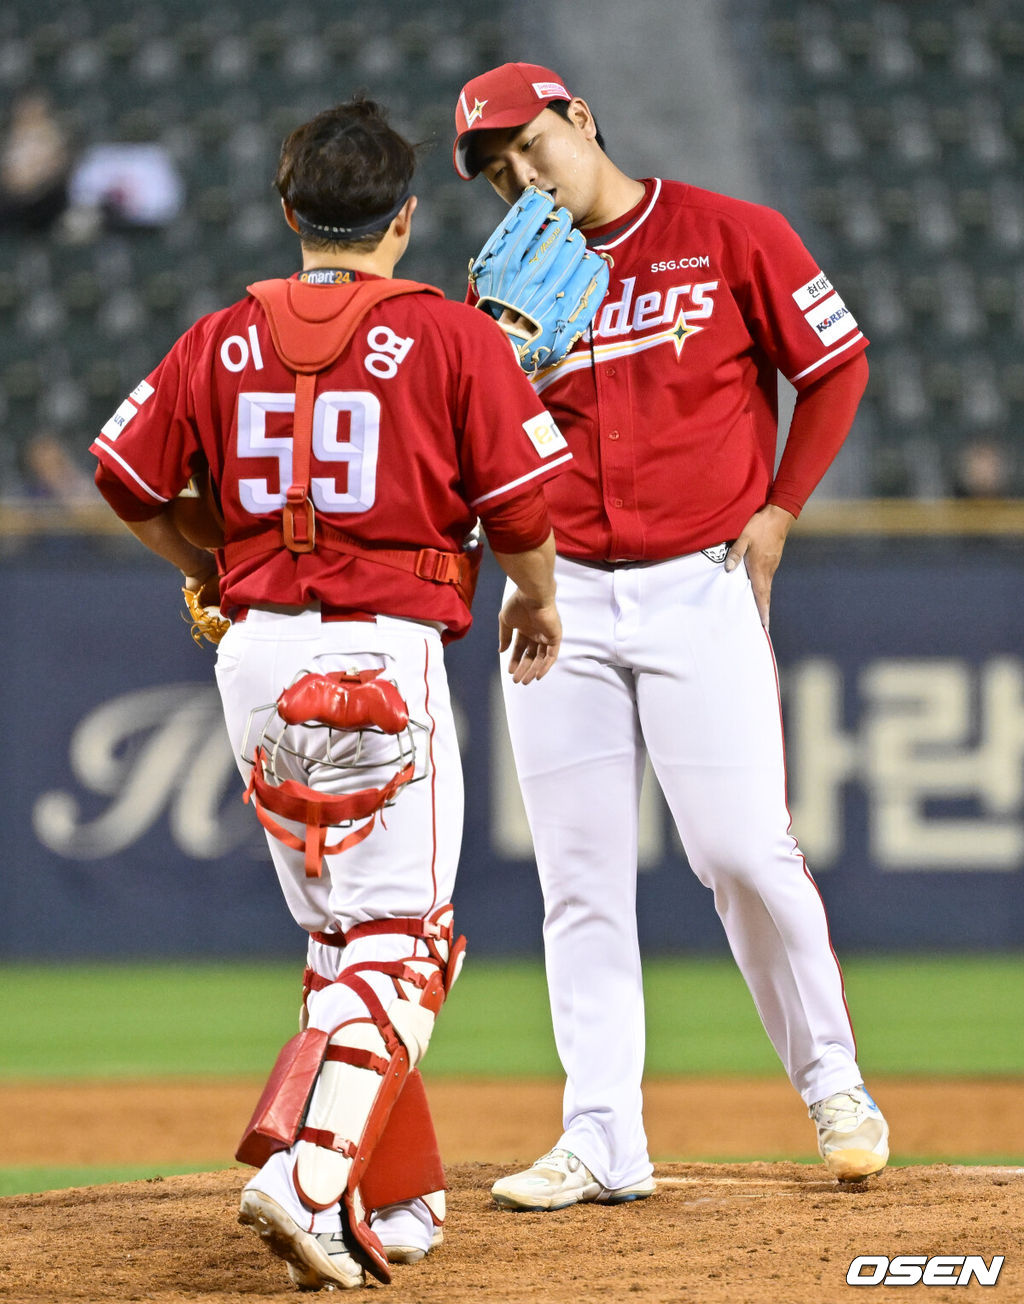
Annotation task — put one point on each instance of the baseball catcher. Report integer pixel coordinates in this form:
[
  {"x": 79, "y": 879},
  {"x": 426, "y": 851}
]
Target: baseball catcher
[{"x": 345, "y": 432}]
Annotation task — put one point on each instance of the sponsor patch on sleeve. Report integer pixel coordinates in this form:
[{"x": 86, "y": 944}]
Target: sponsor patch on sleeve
[
  {"x": 831, "y": 320},
  {"x": 544, "y": 435},
  {"x": 119, "y": 420},
  {"x": 816, "y": 289},
  {"x": 141, "y": 392}
]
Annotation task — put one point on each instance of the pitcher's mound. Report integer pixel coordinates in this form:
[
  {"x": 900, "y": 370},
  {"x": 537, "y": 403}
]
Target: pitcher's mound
[{"x": 711, "y": 1234}]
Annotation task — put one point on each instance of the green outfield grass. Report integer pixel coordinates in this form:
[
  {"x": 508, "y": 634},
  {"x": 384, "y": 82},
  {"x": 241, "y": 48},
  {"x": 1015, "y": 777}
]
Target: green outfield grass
[
  {"x": 938, "y": 1016},
  {"x": 935, "y": 1016},
  {"x": 25, "y": 1181}
]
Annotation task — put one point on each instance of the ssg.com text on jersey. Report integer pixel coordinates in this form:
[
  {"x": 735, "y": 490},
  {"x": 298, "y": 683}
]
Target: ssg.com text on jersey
[{"x": 673, "y": 264}]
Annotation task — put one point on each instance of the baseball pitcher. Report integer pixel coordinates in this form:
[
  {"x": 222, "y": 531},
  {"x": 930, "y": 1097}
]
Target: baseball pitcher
[{"x": 670, "y": 522}]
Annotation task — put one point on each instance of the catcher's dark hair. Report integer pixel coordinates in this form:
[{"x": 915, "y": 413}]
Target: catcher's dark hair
[{"x": 343, "y": 169}]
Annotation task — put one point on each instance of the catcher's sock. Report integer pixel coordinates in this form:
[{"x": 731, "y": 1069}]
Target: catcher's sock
[
  {"x": 406, "y": 1231},
  {"x": 275, "y": 1179}
]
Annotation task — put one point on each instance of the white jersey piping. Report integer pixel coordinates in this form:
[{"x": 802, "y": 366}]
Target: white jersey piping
[
  {"x": 514, "y": 484},
  {"x": 639, "y": 221},
  {"x": 835, "y": 352},
  {"x": 138, "y": 480}
]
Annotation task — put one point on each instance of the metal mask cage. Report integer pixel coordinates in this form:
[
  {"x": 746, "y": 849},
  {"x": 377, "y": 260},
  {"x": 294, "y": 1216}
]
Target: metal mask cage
[{"x": 331, "y": 755}]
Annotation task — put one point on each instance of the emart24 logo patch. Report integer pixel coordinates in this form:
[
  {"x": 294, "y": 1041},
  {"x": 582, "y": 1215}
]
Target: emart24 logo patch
[{"x": 924, "y": 1270}]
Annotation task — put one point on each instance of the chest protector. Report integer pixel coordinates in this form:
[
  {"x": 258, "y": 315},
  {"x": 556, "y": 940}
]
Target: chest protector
[{"x": 311, "y": 326}]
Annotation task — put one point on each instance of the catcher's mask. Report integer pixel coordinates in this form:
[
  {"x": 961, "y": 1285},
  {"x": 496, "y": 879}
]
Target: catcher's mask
[{"x": 331, "y": 728}]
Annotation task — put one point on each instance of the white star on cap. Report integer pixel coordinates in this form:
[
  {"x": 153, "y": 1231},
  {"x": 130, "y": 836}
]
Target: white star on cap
[{"x": 478, "y": 112}]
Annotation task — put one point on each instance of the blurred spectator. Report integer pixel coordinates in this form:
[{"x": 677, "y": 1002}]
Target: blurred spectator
[
  {"x": 128, "y": 185},
  {"x": 51, "y": 473},
  {"x": 983, "y": 470},
  {"x": 35, "y": 162}
]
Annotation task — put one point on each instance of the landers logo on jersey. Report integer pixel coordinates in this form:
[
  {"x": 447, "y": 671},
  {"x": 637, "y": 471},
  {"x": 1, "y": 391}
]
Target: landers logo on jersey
[
  {"x": 675, "y": 310},
  {"x": 630, "y": 315},
  {"x": 645, "y": 321}
]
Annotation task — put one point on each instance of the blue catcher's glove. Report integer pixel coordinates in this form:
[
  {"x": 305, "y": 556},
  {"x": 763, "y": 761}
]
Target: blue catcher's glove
[{"x": 537, "y": 266}]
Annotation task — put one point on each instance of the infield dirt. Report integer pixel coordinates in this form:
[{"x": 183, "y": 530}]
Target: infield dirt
[{"x": 714, "y": 1233}]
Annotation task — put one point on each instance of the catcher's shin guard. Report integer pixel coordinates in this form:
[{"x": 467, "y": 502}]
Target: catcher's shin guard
[
  {"x": 278, "y": 1115},
  {"x": 406, "y": 1162},
  {"x": 367, "y": 1064}
]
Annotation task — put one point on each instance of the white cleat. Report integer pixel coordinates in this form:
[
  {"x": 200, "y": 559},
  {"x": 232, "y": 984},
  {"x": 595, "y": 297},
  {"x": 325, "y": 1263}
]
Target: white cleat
[
  {"x": 316, "y": 1261},
  {"x": 853, "y": 1137},
  {"x": 406, "y": 1231},
  {"x": 560, "y": 1179}
]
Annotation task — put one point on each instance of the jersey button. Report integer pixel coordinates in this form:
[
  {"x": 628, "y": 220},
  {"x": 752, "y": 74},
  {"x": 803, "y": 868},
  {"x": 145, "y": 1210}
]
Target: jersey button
[
  {"x": 610, "y": 371},
  {"x": 616, "y": 502},
  {"x": 613, "y": 434}
]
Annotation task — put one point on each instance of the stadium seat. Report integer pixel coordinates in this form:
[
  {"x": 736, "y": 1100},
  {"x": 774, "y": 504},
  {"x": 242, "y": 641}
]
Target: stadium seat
[
  {"x": 903, "y": 142},
  {"x": 896, "y": 135}
]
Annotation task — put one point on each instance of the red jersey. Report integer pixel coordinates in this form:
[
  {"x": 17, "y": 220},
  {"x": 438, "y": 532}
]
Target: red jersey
[
  {"x": 671, "y": 411},
  {"x": 423, "y": 424}
]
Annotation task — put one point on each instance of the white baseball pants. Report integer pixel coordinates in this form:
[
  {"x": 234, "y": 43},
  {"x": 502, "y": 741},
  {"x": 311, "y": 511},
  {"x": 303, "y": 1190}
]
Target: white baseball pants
[
  {"x": 668, "y": 660},
  {"x": 406, "y": 866}
]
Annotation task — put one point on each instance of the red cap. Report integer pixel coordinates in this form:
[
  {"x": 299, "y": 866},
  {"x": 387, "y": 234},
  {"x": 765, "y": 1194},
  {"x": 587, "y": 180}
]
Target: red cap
[{"x": 508, "y": 96}]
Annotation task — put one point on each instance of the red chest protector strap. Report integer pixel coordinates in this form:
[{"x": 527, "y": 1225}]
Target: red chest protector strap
[{"x": 311, "y": 326}]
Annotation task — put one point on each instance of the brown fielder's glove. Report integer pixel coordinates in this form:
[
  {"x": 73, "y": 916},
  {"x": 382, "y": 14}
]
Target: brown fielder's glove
[{"x": 207, "y": 622}]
